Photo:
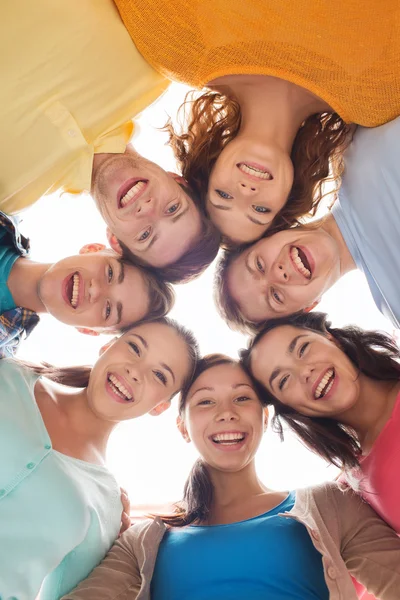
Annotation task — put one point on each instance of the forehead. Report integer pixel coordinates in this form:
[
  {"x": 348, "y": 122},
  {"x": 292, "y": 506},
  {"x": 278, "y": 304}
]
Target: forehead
[
  {"x": 225, "y": 375},
  {"x": 234, "y": 223}
]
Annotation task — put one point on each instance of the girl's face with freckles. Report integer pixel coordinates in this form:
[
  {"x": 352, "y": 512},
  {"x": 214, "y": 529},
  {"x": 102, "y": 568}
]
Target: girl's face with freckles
[
  {"x": 306, "y": 371},
  {"x": 139, "y": 373},
  {"x": 224, "y": 418}
]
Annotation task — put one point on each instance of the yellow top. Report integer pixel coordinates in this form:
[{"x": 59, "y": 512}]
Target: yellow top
[
  {"x": 345, "y": 51},
  {"x": 70, "y": 81}
]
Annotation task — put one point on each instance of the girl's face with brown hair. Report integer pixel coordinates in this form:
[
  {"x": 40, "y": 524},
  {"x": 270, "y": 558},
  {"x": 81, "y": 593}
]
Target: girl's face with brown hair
[
  {"x": 306, "y": 371},
  {"x": 224, "y": 418},
  {"x": 249, "y": 184}
]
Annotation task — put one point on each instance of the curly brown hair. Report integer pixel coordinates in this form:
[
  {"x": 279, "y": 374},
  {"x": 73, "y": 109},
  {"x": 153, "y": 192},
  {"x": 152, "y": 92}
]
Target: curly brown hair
[{"x": 214, "y": 119}]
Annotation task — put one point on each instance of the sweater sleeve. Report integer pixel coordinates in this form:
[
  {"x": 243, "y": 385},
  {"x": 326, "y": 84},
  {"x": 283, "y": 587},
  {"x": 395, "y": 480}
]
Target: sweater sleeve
[
  {"x": 116, "y": 577},
  {"x": 369, "y": 547}
]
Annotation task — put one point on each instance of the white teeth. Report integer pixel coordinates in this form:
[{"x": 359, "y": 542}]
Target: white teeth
[
  {"x": 325, "y": 384},
  {"x": 294, "y": 253},
  {"x": 135, "y": 189},
  {"x": 119, "y": 388},
  {"x": 228, "y": 438},
  {"x": 75, "y": 290},
  {"x": 255, "y": 172}
]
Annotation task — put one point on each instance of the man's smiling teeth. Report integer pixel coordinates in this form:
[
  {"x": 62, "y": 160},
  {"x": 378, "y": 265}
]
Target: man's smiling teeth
[
  {"x": 260, "y": 173},
  {"x": 135, "y": 189},
  {"x": 75, "y": 290},
  {"x": 325, "y": 384},
  {"x": 228, "y": 438},
  {"x": 119, "y": 388},
  {"x": 294, "y": 254}
]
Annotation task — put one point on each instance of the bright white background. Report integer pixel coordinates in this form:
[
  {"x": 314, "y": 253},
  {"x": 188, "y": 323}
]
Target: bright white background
[{"x": 147, "y": 455}]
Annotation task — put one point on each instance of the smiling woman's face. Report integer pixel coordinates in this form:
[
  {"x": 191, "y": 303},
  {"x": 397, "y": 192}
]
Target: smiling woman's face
[
  {"x": 248, "y": 186},
  {"x": 142, "y": 369},
  {"x": 306, "y": 371},
  {"x": 224, "y": 417}
]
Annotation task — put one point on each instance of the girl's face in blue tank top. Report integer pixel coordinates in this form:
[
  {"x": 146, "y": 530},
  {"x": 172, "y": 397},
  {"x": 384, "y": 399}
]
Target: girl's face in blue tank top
[
  {"x": 138, "y": 373},
  {"x": 224, "y": 418}
]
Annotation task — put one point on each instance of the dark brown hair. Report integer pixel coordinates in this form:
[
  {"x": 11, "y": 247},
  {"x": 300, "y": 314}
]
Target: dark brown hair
[
  {"x": 78, "y": 377},
  {"x": 194, "y": 261},
  {"x": 373, "y": 353},
  {"x": 214, "y": 119},
  {"x": 198, "y": 491}
]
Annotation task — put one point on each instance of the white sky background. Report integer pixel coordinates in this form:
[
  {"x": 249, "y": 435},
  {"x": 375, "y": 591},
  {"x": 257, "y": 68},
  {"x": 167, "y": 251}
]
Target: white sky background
[{"x": 147, "y": 455}]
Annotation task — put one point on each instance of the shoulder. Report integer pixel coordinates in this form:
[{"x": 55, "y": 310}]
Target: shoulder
[
  {"x": 144, "y": 535},
  {"x": 13, "y": 374}
]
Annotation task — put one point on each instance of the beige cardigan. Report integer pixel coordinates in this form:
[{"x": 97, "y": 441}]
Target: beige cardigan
[{"x": 346, "y": 531}]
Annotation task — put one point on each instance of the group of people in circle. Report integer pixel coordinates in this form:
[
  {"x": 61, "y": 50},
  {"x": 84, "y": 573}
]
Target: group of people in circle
[{"x": 292, "y": 99}]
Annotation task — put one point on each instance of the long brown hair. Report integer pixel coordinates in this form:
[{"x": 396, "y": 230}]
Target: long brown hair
[
  {"x": 194, "y": 261},
  {"x": 197, "y": 498},
  {"x": 373, "y": 353},
  {"x": 214, "y": 119}
]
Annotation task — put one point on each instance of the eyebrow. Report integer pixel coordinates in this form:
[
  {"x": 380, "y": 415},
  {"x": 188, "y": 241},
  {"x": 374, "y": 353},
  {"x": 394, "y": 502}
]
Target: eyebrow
[
  {"x": 119, "y": 312},
  {"x": 180, "y": 215},
  {"x": 121, "y": 275},
  {"x": 253, "y": 220},
  {"x": 221, "y": 206},
  {"x": 145, "y": 344},
  {"x": 211, "y": 389},
  {"x": 246, "y": 264},
  {"x": 290, "y": 350}
]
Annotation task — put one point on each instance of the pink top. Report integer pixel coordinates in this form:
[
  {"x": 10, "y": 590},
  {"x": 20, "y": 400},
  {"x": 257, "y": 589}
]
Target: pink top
[{"x": 377, "y": 479}]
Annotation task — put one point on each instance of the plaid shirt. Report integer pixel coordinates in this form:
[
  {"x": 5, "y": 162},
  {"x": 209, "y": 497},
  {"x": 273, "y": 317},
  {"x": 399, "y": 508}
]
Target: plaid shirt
[{"x": 17, "y": 322}]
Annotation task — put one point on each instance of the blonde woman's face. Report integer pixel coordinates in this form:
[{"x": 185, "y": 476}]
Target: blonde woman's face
[{"x": 248, "y": 186}]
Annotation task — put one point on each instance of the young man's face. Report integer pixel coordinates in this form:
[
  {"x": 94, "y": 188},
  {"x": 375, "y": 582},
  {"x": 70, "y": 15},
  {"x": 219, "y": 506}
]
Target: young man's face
[
  {"x": 95, "y": 290},
  {"x": 284, "y": 273},
  {"x": 145, "y": 207}
]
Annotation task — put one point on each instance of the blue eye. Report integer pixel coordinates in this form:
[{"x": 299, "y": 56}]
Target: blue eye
[
  {"x": 161, "y": 377},
  {"x": 224, "y": 195},
  {"x": 242, "y": 399},
  {"x": 261, "y": 209},
  {"x": 259, "y": 265},
  {"x": 144, "y": 235},
  {"x": 108, "y": 310},
  {"x": 303, "y": 348},
  {"x": 134, "y": 347},
  {"x": 110, "y": 273},
  {"x": 172, "y": 209},
  {"x": 283, "y": 381},
  {"x": 276, "y": 296},
  {"x": 204, "y": 402}
]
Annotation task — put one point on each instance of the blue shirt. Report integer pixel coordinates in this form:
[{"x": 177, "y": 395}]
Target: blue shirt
[
  {"x": 367, "y": 212},
  {"x": 269, "y": 556},
  {"x": 15, "y": 321},
  {"x": 58, "y": 515}
]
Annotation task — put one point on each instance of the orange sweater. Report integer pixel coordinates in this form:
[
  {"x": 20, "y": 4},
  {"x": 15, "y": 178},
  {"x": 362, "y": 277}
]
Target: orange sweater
[{"x": 347, "y": 52}]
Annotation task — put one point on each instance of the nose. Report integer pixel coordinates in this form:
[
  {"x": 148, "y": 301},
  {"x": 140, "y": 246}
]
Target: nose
[
  {"x": 305, "y": 372},
  {"x": 281, "y": 273},
  {"x": 247, "y": 189},
  {"x": 95, "y": 291},
  {"x": 226, "y": 415},
  {"x": 133, "y": 372},
  {"x": 146, "y": 207}
]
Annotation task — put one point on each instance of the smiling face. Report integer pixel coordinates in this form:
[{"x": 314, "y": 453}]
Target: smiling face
[
  {"x": 224, "y": 417},
  {"x": 248, "y": 186},
  {"x": 95, "y": 290},
  {"x": 284, "y": 273},
  {"x": 145, "y": 207},
  {"x": 140, "y": 371},
  {"x": 306, "y": 371}
]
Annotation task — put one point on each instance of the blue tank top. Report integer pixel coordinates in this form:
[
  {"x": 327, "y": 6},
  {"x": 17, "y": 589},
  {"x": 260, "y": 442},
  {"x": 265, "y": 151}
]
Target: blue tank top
[{"x": 266, "y": 557}]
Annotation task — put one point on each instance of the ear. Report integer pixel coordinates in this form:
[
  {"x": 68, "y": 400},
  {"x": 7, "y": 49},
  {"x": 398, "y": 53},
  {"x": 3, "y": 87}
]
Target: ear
[
  {"x": 178, "y": 178},
  {"x": 313, "y": 305},
  {"x": 160, "y": 408},
  {"x": 90, "y": 248},
  {"x": 87, "y": 331},
  {"x": 114, "y": 243},
  {"x": 182, "y": 429},
  {"x": 266, "y": 417},
  {"x": 107, "y": 346}
]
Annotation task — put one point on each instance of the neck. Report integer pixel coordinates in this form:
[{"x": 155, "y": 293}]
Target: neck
[
  {"x": 271, "y": 108},
  {"x": 234, "y": 488},
  {"x": 23, "y": 283},
  {"x": 372, "y": 410},
  {"x": 329, "y": 225}
]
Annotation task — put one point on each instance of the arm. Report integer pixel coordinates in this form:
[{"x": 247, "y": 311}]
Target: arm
[
  {"x": 117, "y": 576},
  {"x": 369, "y": 547}
]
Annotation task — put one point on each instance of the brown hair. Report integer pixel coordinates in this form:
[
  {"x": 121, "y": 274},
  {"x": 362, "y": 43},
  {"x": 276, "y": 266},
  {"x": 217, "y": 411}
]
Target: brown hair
[
  {"x": 373, "y": 353},
  {"x": 214, "y": 119},
  {"x": 195, "y": 260},
  {"x": 78, "y": 377},
  {"x": 197, "y": 499}
]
